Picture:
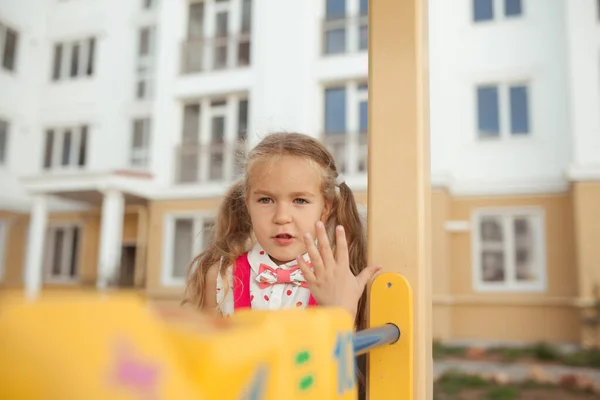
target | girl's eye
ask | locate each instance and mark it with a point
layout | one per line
(301, 201)
(264, 200)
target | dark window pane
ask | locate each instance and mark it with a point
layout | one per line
(49, 148)
(182, 253)
(246, 16)
(483, 10)
(10, 50)
(335, 41)
(191, 123)
(242, 119)
(91, 49)
(196, 20)
(218, 129)
(57, 62)
(59, 236)
(66, 149)
(363, 113)
(335, 110)
(519, 111)
(75, 60)
(3, 141)
(74, 253)
(83, 146)
(364, 7)
(512, 7)
(335, 9)
(488, 118)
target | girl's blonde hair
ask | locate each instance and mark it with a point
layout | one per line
(233, 230)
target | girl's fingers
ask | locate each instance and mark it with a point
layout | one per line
(313, 253)
(324, 246)
(309, 276)
(341, 251)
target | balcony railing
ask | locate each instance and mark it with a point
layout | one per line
(214, 162)
(209, 54)
(349, 151)
(345, 35)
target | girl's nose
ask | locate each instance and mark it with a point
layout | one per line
(282, 215)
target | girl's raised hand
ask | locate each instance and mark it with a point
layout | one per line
(331, 282)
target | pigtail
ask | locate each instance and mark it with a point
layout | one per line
(230, 240)
(345, 213)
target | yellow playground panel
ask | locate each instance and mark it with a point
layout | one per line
(92, 346)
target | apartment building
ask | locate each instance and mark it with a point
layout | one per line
(119, 133)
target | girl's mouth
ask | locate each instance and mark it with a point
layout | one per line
(284, 239)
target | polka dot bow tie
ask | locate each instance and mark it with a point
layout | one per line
(268, 276)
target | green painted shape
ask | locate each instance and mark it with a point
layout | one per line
(302, 357)
(306, 382)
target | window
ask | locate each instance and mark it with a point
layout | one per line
(509, 250)
(66, 147)
(218, 36)
(4, 126)
(346, 125)
(148, 4)
(186, 237)
(492, 99)
(73, 60)
(145, 63)
(484, 10)
(63, 245)
(343, 31)
(214, 132)
(9, 40)
(3, 241)
(140, 143)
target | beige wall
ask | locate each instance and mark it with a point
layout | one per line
(461, 312)
(586, 198)
(14, 259)
(14, 250)
(157, 212)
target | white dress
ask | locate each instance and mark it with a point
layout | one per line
(273, 297)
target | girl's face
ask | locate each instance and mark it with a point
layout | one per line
(285, 202)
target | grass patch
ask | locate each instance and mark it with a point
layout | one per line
(542, 352)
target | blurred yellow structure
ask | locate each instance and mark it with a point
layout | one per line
(90, 346)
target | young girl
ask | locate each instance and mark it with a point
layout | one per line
(264, 253)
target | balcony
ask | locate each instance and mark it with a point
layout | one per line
(350, 151)
(210, 163)
(213, 54)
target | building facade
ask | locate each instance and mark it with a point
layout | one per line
(120, 132)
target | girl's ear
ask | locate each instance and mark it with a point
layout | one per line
(326, 210)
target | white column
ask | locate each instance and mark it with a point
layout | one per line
(111, 237)
(35, 246)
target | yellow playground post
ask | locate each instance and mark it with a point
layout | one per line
(399, 191)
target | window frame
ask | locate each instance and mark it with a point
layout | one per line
(62, 278)
(87, 55)
(353, 135)
(198, 217)
(203, 137)
(207, 43)
(75, 149)
(498, 13)
(537, 217)
(351, 23)
(504, 109)
(140, 157)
